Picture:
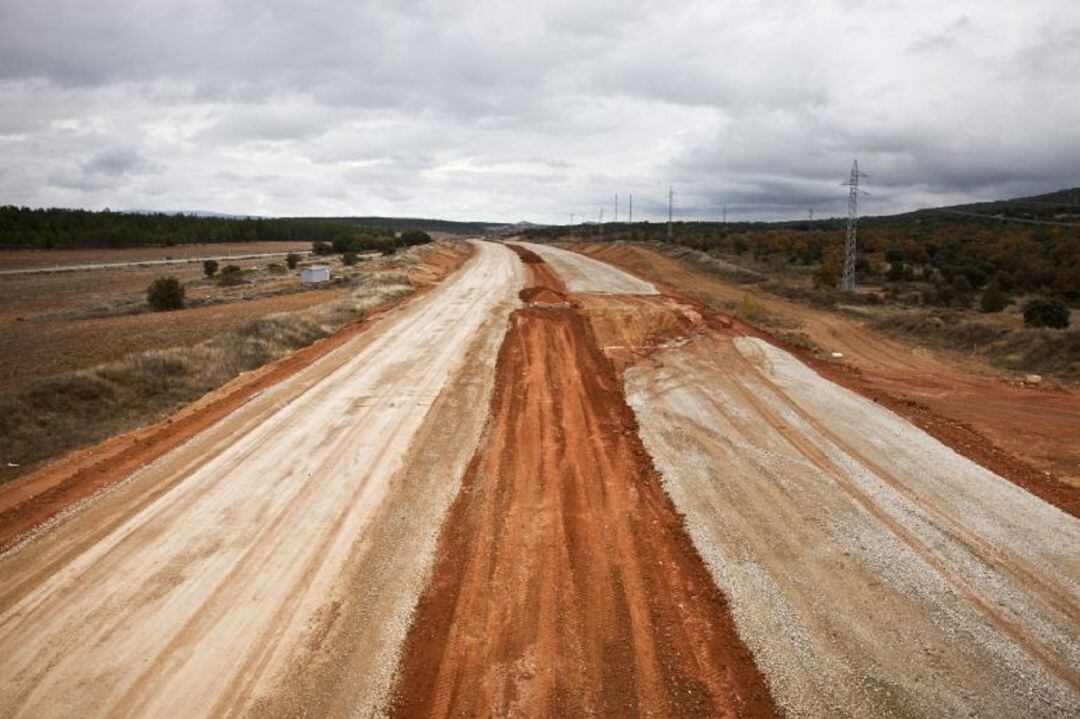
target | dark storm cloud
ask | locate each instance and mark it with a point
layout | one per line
(510, 110)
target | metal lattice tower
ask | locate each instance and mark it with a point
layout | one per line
(847, 282)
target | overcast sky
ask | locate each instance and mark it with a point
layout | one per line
(532, 109)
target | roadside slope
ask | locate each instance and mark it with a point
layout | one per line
(198, 582)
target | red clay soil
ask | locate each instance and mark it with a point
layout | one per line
(978, 417)
(565, 583)
(30, 501)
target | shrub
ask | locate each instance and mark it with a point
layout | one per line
(993, 298)
(292, 260)
(389, 250)
(230, 275)
(349, 258)
(1046, 312)
(414, 237)
(165, 293)
(209, 267)
(322, 248)
(276, 268)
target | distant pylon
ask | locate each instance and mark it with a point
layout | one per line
(847, 282)
(630, 218)
(811, 214)
(616, 207)
(670, 209)
(600, 224)
(725, 213)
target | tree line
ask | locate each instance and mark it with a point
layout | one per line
(27, 228)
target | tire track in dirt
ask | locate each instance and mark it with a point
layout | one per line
(565, 584)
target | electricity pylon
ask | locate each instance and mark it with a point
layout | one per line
(847, 282)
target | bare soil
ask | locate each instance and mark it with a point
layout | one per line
(1027, 434)
(565, 584)
(213, 578)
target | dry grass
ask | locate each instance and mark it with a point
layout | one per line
(1050, 352)
(57, 414)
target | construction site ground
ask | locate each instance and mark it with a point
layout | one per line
(552, 487)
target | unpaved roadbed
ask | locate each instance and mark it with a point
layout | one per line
(201, 595)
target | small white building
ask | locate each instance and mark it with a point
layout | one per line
(315, 273)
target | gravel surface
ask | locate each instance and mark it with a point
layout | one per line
(872, 570)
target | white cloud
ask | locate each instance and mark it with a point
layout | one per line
(505, 110)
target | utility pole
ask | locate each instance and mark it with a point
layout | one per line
(600, 224)
(670, 206)
(630, 220)
(725, 213)
(847, 282)
(811, 214)
(616, 207)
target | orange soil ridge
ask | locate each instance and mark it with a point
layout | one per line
(992, 403)
(565, 583)
(32, 500)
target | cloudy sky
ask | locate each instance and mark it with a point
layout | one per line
(534, 110)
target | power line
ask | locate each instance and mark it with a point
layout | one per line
(847, 282)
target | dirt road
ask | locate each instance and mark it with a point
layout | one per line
(872, 570)
(566, 585)
(1036, 425)
(581, 275)
(228, 576)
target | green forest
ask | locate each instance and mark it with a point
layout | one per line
(25, 228)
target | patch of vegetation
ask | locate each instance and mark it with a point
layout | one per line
(164, 294)
(210, 267)
(292, 260)
(350, 258)
(1046, 312)
(231, 275)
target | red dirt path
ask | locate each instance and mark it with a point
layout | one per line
(565, 583)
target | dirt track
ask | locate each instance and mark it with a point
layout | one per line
(659, 514)
(872, 570)
(1035, 425)
(566, 585)
(200, 582)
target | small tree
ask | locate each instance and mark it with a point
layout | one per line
(349, 258)
(1046, 312)
(230, 275)
(993, 298)
(292, 260)
(322, 248)
(209, 267)
(165, 293)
